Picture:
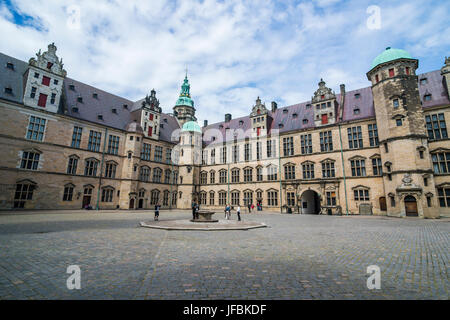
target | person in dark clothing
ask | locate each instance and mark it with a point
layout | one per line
(197, 209)
(157, 206)
(194, 208)
(249, 208)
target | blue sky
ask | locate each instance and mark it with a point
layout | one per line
(235, 50)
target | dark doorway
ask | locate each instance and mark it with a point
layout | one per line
(87, 197)
(141, 203)
(131, 204)
(383, 206)
(411, 207)
(310, 202)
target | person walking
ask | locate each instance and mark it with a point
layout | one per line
(194, 208)
(249, 206)
(157, 206)
(238, 211)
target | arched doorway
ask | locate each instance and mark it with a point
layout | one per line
(411, 207)
(310, 202)
(132, 203)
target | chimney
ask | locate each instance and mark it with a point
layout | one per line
(274, 106)
(342, 102)
(205, 123)
(227, 117)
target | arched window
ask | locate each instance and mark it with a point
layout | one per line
(90, 169)
(157, 173)
(144, 174)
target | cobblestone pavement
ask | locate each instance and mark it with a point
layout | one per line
(296, 257)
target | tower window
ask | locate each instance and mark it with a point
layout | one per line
(377, 78)
(407, 71)
(391, 73)
(33, 92)
(399, 122)
(396, 103)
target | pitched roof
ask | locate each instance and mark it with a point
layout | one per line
(12, 78)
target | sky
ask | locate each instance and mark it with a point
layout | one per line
(234, 50)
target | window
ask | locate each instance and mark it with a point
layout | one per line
(306, 143)
(423, 81)
(36, 75)
(407, 71)
(110, 171)
(157, 173)
(235, 195)
(235, 175)
(331, 198)
(158, 154)
(357, 95)
(377, 78)
(308, 170)
(290, 199)
(248, 152)
(399, 122)
(91, 168)
(326, 141)
(223, 154)
(361, 194)
(259, 174)
(444, 197)
(107, 194)
(49, 65)
(113, 144)
(80, 99)
(248, 198)
(8, 90)
(272, 198)
(248, 175)
(427, 97)
(358, 167)
(71, 86)
(223, 176)
(24, 191)
(55, 82)
(391, 73)
(271, 148)
(328, 169)
(258, 150)
(289, 172)
(272, 173)
(36, 128)
(441, 162)
(30, 160)
(213, 156)
(288, 146)
(10, 65)
(212, 177)
(436, 126)
(167, 174)
(68, 192)
(356, 111)
(235, 153)
(33, 92)
(386, 147)
(392, 201)
(72, 165)
(53, 98)
(154, 198)
(355, 140)
(94, 140)
(373, 135)
(146, 151)
(203, 178)
(377, 167)
(204, 157)
(46, 81)
(175, 177)
(166, 198)
(144, 174)
(222, 198)
(203, 198)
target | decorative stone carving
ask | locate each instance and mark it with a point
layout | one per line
(49, 61)
(258, 109)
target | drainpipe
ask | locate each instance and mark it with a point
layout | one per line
(171, 183)
(343, 171)
(279, 172)
(101, 169)
(228, 182)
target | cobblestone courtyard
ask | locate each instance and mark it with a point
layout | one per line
(296, 257)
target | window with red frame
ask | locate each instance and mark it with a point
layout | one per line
(150, 131)
(42, 100)
(377, 79)
(407, 71)
(391, 73)
(151, 117)
(45, 81)
(324, 119)
(49, 65)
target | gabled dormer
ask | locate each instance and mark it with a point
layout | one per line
(324, 103)
(44, 80)
(259, 119)
(151, 116)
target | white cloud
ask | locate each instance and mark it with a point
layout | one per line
(235, 50)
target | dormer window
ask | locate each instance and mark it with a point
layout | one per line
(161, 126)
(357, 95)
(125, 106)
(213, 138)
(10, 66)
(75, 109)
(49, 65)
(241, 122)
(165, 120)
(322, 96)
(285, 111)
(280, 125)
(72, 87)
(221, 127)
(8, 90)
(95, 95)
(423, 81)
(114, 110)
(356, 111)
(100, 117)
(308, 106)
(294, 115)
(427, 97)
(305, 121)
(80, 99)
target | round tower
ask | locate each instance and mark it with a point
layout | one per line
(402, 133)
(184, 109)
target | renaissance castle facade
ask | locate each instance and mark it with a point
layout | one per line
(381, 150)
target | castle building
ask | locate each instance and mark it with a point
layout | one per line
(381, 150)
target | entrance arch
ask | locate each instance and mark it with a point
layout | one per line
(310, 202)
(411, 207)
(131, 203)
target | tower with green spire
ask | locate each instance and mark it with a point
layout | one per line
(184, 109)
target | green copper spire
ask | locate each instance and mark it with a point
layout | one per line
(185, 95)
